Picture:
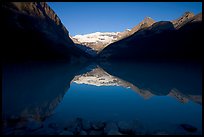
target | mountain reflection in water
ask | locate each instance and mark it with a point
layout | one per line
(160, 96)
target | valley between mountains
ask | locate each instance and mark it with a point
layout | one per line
(143, 80)
(39, 34)
(147, 39)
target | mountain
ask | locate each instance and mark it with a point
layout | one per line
(32, 30)
(192, 24)
(160, 41)
(96, 41)
(182, 20)
(99, 40)
(147, 22)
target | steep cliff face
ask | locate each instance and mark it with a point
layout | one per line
(40, 10)
(192, 24)
(160, 41)
(182, 20)
(32, 30)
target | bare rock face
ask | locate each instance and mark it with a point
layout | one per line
(40, 9)
(192, 24)
(197, 17)
(33, 31)
(182, 20)
(128, 45)
(160, 41)
(99, 40)
(156, 28)
(147, 22)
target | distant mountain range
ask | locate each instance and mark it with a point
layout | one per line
(99, 40)
(177, 39)
(93, 43)
(33, 31)
(39, 34)
(135, 43)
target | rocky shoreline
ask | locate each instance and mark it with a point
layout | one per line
(79, 126)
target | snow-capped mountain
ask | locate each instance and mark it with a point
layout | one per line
(98, 40)
(105, 37)
(94, 43)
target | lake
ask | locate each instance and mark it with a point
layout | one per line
(102, 98)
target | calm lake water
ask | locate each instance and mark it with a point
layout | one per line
(159, 96)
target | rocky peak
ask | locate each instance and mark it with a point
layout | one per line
(198, 17)
(188, 14)
(51, 14)
(147, 22)
(180, 21)
(38, 24)
(36, 9)
(156, 28)
(98, 41)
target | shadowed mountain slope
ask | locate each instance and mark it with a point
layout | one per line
(32, 30)
(160, 41)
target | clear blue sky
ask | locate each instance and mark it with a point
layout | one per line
(88, 17)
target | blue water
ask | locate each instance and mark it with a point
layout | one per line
(119, 103)
(48, 91)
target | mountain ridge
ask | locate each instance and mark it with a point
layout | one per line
(37, 31)
(97, 41)
(146, 27)
(40, 34)
(169, 42)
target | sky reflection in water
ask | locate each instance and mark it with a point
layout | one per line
(91, 96)
(158, 96)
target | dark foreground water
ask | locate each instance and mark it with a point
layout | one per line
(104, 98)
